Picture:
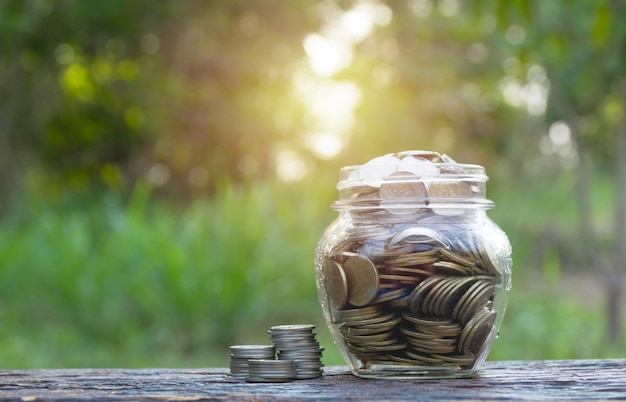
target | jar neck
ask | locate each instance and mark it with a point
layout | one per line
(441, 186)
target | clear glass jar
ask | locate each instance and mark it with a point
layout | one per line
(413, 276)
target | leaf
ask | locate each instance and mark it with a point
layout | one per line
(602, 26)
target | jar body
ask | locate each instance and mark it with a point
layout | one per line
(415, 298)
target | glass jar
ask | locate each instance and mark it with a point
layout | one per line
(413, 276)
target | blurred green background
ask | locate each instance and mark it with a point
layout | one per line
(166, 168)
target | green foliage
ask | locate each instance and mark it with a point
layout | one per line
(150, 285)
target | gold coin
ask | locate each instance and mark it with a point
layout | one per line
(362, 279)
(364, 339)
(381, 348)
(466, 299)
(396, 294)
(415, 272)
(475, 298)
(374, 320)
(335, 284)
(458, 258)
(454, 294)
(477, 332)
(414, 259)
(399, 279)
(417, 296)
(422, 357)
(460, 359)
(478, 301)
(417, 235)
(387, 325)
(356, 313)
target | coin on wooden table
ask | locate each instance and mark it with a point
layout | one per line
(252, 351)
(271, 371)
(362, 279)
(335, 284)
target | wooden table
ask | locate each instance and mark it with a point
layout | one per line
(517, 380)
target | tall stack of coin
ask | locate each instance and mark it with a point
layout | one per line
(298, 343)
(240, 356)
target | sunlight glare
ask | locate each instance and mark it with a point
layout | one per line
(325, 145)
(532, 95)
(289, 165)
(559, 143)
(327, 57)
(330, 103)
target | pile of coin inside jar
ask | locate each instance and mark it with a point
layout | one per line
(295, 354)
(400, 293)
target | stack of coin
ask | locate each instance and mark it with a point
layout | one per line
(240, 356)
(271, 370)
(298, 343)
(369, 332)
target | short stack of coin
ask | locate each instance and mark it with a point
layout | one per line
(241, 355)
(298, 343)
(271, 370)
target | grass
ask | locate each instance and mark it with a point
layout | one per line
(108, 283)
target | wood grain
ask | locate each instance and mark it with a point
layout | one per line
(512, 380)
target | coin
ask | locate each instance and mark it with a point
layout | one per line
(271, 371)
(395, 187)
(417, 296)
(241, 354)
(362, 279)
(305, 328)
(252, 351)
(396, 294)
(298, 343)
(449, 189)
(335, 284)
(477, 331)
(451, 268)
(417, 235)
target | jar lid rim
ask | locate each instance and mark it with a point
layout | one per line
(412, 203)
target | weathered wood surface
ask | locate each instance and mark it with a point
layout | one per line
(514, 380)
